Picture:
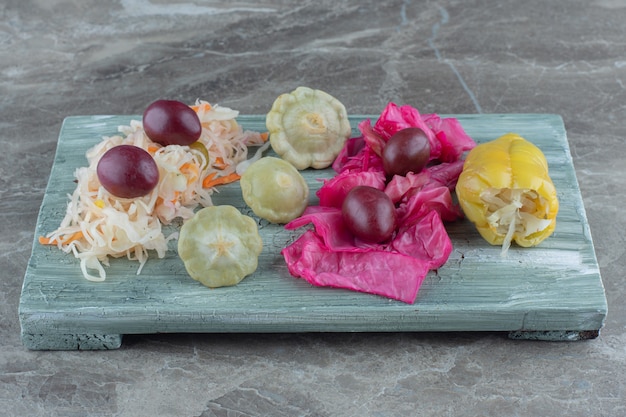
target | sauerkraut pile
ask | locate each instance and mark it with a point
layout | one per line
(98, 225)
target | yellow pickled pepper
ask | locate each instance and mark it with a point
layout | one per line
(505, 190)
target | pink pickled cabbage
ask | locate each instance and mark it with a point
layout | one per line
(334, 190)
(329, 255)
(365, 271)
(114, 227)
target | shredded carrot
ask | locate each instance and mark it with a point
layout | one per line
(152, 149)
(160, 201)
(192, 169)
(219, 163)
(47, 241)
(211, 181)
(208, 179)
(204, 106)
(265, 136)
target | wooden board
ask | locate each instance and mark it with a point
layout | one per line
(553, 291)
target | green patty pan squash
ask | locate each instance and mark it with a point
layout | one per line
(308, 127)
(220, 246)
(274, 189)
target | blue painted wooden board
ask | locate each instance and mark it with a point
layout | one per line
(553, 291)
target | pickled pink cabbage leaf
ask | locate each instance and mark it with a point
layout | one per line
(329, 255)
(365, 271)
(333, 192)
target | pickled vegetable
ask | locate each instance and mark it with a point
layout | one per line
(274, 190)
(219, 246)
(369, 214)
(505, 189)
(328, 254)
(308, 127)
(408, 150)
(171, 122)
(200, 147)
(127, 171)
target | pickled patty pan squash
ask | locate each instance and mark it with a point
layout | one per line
(506, 192)
(219, 246)
(308, 127)
(274, 190)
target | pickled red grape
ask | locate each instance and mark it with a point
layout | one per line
(127, 171)
(369, 214)
(171, 122)
(408, 150)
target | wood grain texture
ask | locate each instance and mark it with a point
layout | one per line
(554, 289)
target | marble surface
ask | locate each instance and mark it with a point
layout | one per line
(67, 57)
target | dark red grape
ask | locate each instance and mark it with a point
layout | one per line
(408, 150)
(170, 122)
(369, 214)
(127, 171)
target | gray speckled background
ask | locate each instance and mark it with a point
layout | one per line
(62, 58)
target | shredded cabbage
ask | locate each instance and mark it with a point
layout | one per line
(514, 211)
(98, 225)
